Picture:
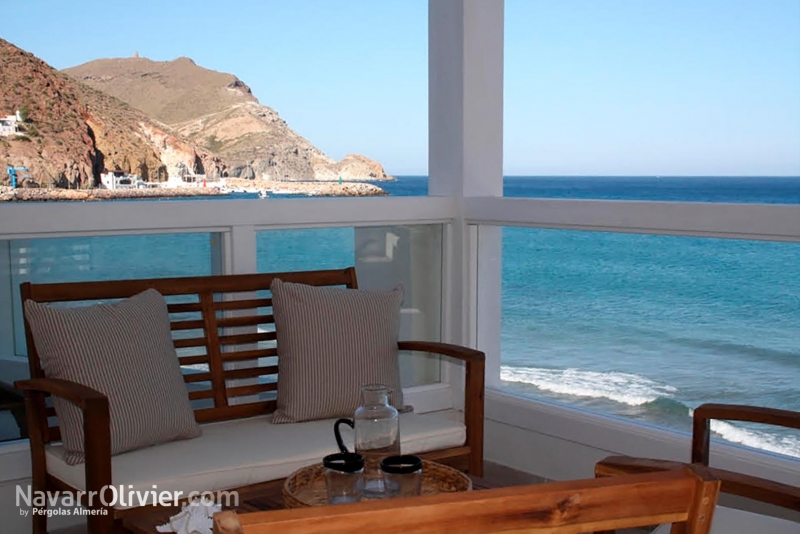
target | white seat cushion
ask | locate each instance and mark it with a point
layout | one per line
(237, 453)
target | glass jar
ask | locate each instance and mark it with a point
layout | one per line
(402, 475)
(343, 472)
(377, 428)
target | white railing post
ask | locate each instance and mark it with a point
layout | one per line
(240, 250)
(465, 91)
(239, 255)
(7, 309)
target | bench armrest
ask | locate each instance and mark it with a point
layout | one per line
(446, 349)
(748, 486)
(78, 394)
(703, 414)
(739, 483)
(96, 426)
(473, 392)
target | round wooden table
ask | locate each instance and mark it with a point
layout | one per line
(306, 486)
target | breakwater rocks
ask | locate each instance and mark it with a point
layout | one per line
(42, 195)
(322, 189)
(309, 188)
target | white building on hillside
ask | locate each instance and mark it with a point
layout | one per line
(9, 125)
(120, 180)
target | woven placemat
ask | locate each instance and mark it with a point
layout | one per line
(306, 487)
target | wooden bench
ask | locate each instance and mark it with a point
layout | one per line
(226, 324)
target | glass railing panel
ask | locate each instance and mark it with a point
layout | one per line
(384, 257)
(648, 327)
(84, 259)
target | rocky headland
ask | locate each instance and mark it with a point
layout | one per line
(219, 113)
(71, 132)
(154, 120)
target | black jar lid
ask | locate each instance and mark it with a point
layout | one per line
(346, 462)
(401, 465)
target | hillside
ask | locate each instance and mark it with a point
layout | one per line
(169, 91)
(73, 132)
(218, 112)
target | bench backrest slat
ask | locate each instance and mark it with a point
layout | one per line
(223, 330)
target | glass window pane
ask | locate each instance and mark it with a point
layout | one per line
(384, 257)
(84, 259)
(649, 327)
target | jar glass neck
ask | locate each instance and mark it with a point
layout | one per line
(372, 394)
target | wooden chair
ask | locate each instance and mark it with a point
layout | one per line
(685, 497)
(752, 487)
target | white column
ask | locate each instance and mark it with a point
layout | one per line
(465, 97)
(465, 84)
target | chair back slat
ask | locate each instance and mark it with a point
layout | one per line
(187, 325)
(244, 355)
(189, 343)
(193, 360)
(243, 304)
(184, 308)
(223, 330)
(245, 339)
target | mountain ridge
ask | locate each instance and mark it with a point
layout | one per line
(218, 112)
(71, 132)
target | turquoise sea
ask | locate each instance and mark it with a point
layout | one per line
(644, 327)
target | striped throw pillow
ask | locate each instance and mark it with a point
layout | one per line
(331, 341)
(125, 351)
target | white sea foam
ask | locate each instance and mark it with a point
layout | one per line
(625, 388)
(788, 445)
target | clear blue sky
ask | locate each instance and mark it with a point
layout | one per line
(659, 87)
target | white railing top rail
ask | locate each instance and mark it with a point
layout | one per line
(30, 220)
(768, 222)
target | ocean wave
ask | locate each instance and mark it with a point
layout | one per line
(781, 444)
(667, 406)
(625, 388)
(635, 390)
(751, 352)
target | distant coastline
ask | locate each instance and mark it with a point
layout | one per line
(7, 194)
(266, 188)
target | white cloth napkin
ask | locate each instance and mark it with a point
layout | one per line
(195, 517)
